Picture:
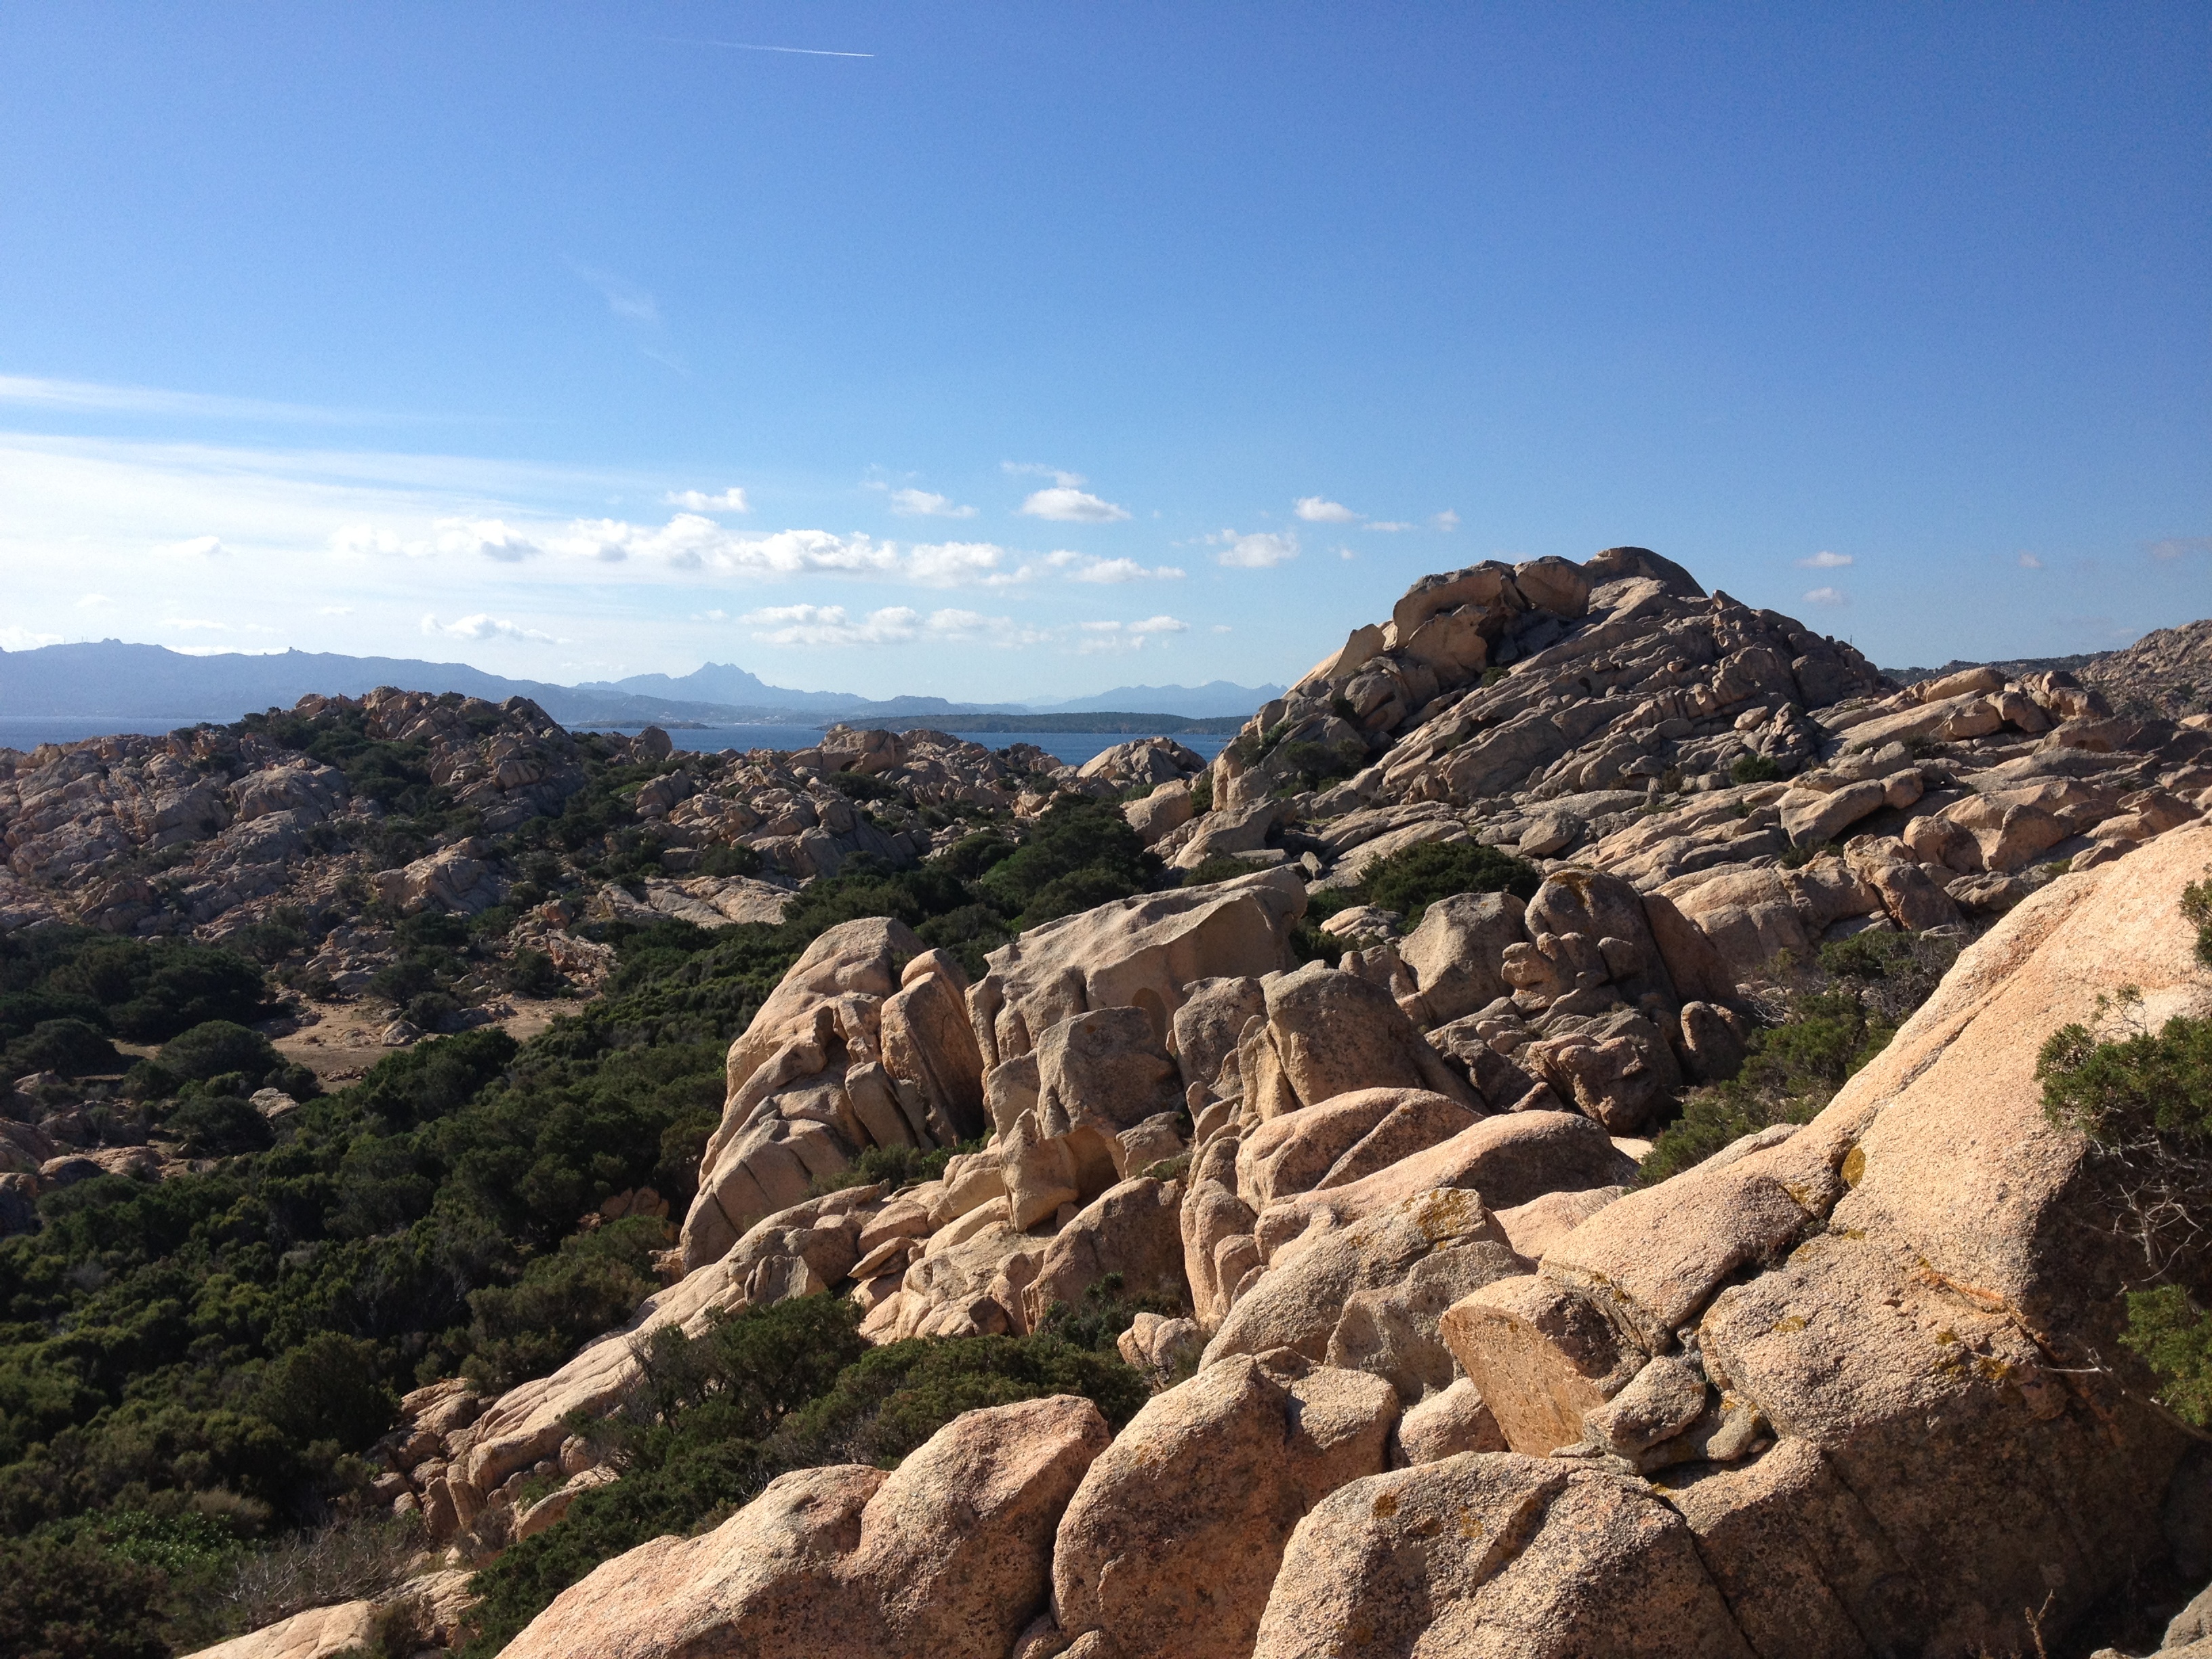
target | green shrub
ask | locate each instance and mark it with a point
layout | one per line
(70, 1047)
(1410, 881)
(2173, 1336)
(1313, 765)
(863, 786)
(1217, 866)
(532, 974)
(727, 861)
(2196, 911)
(218, 1046)
(1840, 1010)
(78, 1601)
(217, 1126)
(1754, 769)
(327, 1388)
(592, 1283)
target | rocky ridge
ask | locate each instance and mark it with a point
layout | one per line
(1692, 1419)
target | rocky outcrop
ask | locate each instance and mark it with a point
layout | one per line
(948, 1557)
(865, 1042)
(1444, 1383)
(1857, 1343)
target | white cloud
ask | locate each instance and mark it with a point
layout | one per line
(927, 504)
(92, 601)
(1826, 560)
(1064, 504)
(1827, 596)
(482, 626)
(230, 650)
(962, 564)
(2171, 548)
(732, 499)
(822, 625)
(2029, 562)
(1392, 525)
(1257, 551)
(24, 639)
(1084, 567)
(491, 537)
(194, 623)
(1316, 509)
(1345, 553)
(334, 610)
(199, 547)
(1032, 469)
(1095, 636)
(1223, 628)
(1446, 521)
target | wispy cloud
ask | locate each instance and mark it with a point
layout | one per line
(828, 625)
(1258, 551)
(927, 504)
(1065, 504)
(1084, 567)
(1827, 596)
(2029, 562)
(2168, 548)
(1038, 470)
(1391, 525)
(625, 297)
(1317, 509)
(1826, 560)
(92, 601)
(1095, 636)
(88, 397)
(482, 626)
(25, 639)
(732, 499)
(1446, 521)
(746, 46)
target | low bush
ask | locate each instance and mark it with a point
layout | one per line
(1410, 881)
(218, 1046)
(1834, 1014)
(71, 1047)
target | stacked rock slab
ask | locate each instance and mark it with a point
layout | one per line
(1855, 1361)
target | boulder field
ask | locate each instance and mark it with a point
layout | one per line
(1448, 1383)
(1833, 1391)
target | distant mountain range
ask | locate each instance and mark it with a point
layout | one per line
(138, 682)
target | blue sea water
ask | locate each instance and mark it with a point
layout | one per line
(28, 730)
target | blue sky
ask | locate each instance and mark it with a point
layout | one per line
(997, 362)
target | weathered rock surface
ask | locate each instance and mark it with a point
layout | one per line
(946, 1558)
(1170, 1544)
(1481, 1555)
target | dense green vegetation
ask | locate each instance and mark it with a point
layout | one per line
(1838, 1012)
(786, 1387)
(190, 1372)
(66, 993)
(2143, 1098)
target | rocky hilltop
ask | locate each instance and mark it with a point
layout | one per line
(1336, 1119)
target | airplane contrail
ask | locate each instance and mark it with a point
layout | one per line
(741, 46)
